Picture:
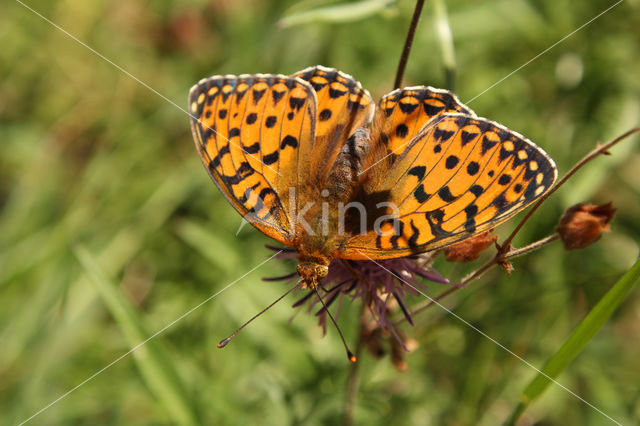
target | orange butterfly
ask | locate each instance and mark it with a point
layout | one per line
(309, 161)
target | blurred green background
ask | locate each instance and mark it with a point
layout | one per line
(110, 229)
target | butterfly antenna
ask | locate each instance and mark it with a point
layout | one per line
(226, 341)
(350, 354)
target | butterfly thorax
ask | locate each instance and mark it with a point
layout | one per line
(318, 244)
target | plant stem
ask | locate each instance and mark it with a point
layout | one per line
(602, 149)
(408, 43)
(353, 381)
(481, 270)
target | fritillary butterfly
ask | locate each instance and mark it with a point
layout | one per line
(308, 160)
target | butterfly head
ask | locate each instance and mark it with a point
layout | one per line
(311, 273)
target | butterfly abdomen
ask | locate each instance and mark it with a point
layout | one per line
(343, 180)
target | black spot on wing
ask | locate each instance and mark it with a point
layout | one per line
(476, 190)
(418, 171)
(244, 171)
(487, 144)
(251, 118)
(335, 93)
(441, 135)
(289, 141)
(252, 149)
(399, 231)
(277, 96)
(470, 224)
(270, 158)
(317, 86)
(402, 130)
(445, 194)
(415, 233)
(420, 195)
(296, 103)
(473, 168)
(451, 162)
(407, 107)
(504, 179)
(257, 95)
(434, 218)
(504, 154)
(271, 121)
(467, 137)
(500, 202)
(431, 109)
(239, 96)
(325, 114)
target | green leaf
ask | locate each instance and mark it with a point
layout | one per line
(578, 339)
(151, 358)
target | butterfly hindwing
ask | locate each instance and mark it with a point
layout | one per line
(460, 175)
(343, 106)
(248, 131)
(403, 113)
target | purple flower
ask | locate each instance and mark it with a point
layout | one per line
(368, 281)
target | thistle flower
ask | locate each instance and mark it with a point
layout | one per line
(371, 283)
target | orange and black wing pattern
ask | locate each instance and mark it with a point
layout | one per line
(404, 112)
(249, 130)
(343, 106)
(458, 176)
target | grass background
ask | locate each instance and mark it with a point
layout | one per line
(110, 228)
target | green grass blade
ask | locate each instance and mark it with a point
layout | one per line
(151, 358)
(209, 245)
(341, 13)
(445, 41)
(579, 338)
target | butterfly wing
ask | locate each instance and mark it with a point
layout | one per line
(249, 130)
(400, 116)
(343, 106)
(404, 112)
(458, 176)
(268, 141)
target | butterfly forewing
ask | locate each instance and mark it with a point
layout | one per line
(459, 176)
(248, 130)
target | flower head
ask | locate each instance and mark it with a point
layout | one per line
(380, 285)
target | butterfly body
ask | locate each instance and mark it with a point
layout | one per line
(308, 161)
(319, 243)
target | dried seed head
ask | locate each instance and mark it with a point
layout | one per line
(582, 224)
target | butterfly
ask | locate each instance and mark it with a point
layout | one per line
(311, 162)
